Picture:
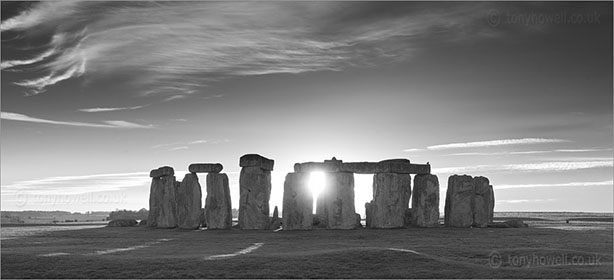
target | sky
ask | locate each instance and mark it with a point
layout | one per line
(96, 94)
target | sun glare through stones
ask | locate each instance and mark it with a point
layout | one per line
(316, 185)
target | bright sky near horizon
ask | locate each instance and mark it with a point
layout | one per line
(96, 94)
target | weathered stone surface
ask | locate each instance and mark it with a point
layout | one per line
(162, 171)
(317, 167)
(360, 167)
(122, 223)
(391, 192)
(155, 200)
(459, 199)
(318, 221)
(481, 201)
(425, 201)
(218, 208)
(189, 202)
(255, 189)
(205, 167)
(168, 203)
(420, 168)
(298, 202)
(338, 201)
(408, 217)
(394, 166)
(255, 160)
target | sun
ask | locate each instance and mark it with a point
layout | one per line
(316, 185)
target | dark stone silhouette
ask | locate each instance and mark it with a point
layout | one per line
(162, 171)
(205, 168)
(481, 202)
(459, 200)
(189, 202)
(339, 210)
(391, 193)
(255, 189)
(297, 203)
(218, 208)
(425, 201)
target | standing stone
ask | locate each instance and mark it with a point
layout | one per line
(218, 208)
(339, 201)
(168, 203)
(425, 201)
(189, 202)
(391, 192)
(255, 189)
(275, 220)
(481, 201)
(459, 200)
(155, 201)
(368, 215)
(298, 202)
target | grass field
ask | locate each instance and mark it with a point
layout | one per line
(139, 252)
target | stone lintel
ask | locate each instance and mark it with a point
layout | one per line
(400, 166)
(255, 160)
(162, 171)
(205, 167)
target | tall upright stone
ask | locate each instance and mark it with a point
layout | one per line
(391, 193)
(218, 208)
(459, 201)
(155, 201)
(339, 211)
(425, 201)
(255, 189)
(491, 205)
(189, 202)
(482, 202)
(168, 203)
(298, 202)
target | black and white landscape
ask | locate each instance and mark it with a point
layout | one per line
(383, 97)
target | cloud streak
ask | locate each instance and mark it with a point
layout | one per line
(494, 143)
(190, 44)
(107, 109)
(78, 184)
(107, 124)
(555, 166)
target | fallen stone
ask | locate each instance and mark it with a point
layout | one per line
(481, 202)
(205, 167)
(122, 223)
(391, 192)
(162, 171)
(189, 202)
(459, 199)
(297, 202)
(255, 160)
(255, 190)
(339, 201)
(168, 203)
(425, 201)
(218, 208)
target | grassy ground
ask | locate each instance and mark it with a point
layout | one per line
(364, 253)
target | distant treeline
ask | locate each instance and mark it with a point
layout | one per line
(128, 214)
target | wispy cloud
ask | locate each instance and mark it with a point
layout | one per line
(505, 201)
(528, 167)
(552, 185)
(414, 150)
(190, 44)
(492, 143)
(106, 124)
(79, 184)
(186, 145)
(111, 109)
